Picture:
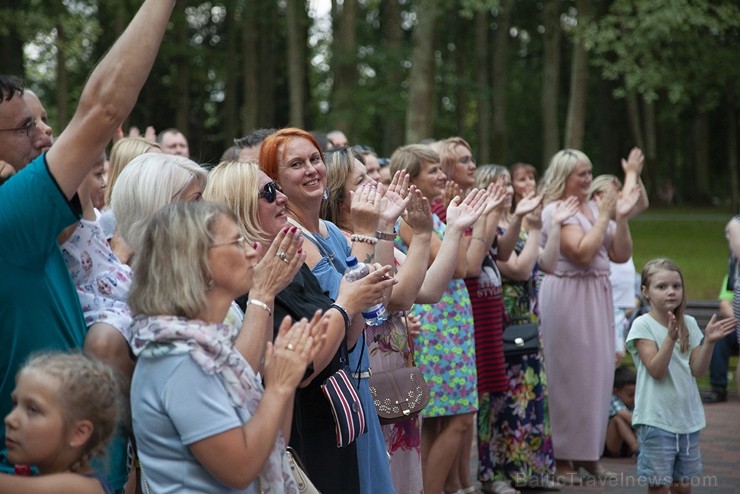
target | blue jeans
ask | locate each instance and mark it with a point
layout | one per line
(720, 364)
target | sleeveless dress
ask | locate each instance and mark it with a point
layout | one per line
(524, 451)
(577, 325)
(445, 351)
(372, 456)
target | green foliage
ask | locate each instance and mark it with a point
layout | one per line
(669, 49)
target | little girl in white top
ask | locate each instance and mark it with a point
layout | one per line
(668, 351)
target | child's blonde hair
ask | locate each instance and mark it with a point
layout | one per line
(663, 264)
(88, 390)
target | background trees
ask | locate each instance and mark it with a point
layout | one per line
(518, 78)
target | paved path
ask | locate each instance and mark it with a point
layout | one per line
(720, 448)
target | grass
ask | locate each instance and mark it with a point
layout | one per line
(693, 238)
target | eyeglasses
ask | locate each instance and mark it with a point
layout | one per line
(269, 191)
(27, 128)
(241, 241)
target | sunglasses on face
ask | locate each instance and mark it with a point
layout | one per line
(269, 191)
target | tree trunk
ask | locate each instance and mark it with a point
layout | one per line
(11, 42)
(231, 76)
(267, 16)
(732, 144)
(576, 119)
(420, 114)
(499, 80)
(550, 80)
(181, 61)
(250, 88)
(482, 88)
(62, 81)
(392, 35)
(344, 61)
(701, 161)
(296, 61)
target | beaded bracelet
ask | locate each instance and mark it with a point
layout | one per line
(344, 314)
(259, 304)
(363, 238)
(386, 236)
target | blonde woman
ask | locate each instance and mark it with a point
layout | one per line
(578, 335)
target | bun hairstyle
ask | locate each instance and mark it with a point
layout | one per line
(88, 390)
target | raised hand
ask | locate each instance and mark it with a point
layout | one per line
(528, 203)
(565, 209)
(672, 326)
(418, 213)
(6, 171)
(463, 214)
(626, 201)
(365, 209)
(634, 162)
(607, 202)
(534, 218)
(287, 358)
(281, 262)
(413, 324)
(452, 190)
(396, 197)
(716, 330)
(496, 196)
(365, 292)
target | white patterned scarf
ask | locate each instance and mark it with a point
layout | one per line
(211, 346)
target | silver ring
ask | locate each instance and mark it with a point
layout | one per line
(283, 256)
(290, 347)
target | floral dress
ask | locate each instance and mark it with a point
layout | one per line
(445, 349)
(524, 452)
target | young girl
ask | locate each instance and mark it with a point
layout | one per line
(65, 409)
(667, 348)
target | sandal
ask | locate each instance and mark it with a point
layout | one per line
(502, 487)
(568, 478)
(601, 475)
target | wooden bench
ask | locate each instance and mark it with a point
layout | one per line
(702, 310)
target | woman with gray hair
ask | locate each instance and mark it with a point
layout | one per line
(588, 241)
(194, 395)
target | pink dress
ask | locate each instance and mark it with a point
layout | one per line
(577, 324)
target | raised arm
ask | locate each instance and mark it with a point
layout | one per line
(632, 167)
(108, 96)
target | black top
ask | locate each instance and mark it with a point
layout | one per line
(313, 436)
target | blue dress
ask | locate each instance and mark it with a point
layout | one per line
(372, 457)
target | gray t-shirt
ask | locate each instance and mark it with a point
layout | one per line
(175, 404)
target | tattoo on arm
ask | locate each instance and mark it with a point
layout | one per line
(370, 258)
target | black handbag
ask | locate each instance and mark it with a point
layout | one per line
(521, 339)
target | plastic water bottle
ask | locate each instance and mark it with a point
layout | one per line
(375, 315)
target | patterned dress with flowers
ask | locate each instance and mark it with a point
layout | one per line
(524, 454)
(445, 349)
(390, 349)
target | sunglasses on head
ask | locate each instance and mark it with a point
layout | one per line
(269, 191)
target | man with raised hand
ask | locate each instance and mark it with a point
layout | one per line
(39, 308)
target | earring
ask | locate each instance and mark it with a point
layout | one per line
(326, 194)
(209, 285)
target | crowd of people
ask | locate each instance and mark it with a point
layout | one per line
(170, 327)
